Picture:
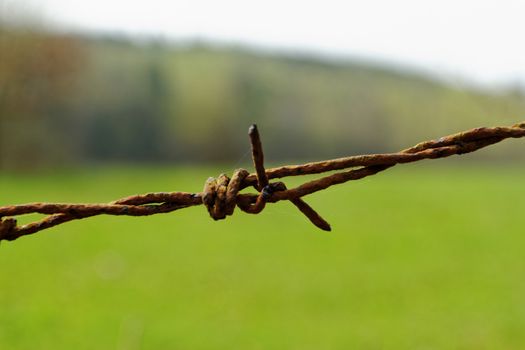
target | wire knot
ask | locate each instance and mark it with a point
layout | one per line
(220, 194)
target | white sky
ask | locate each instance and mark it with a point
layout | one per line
(480, 40)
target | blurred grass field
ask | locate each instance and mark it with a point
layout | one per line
(420, 257)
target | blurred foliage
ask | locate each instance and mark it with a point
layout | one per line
(36, 71)
(90, 99)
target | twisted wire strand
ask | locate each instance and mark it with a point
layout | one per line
(221, 196)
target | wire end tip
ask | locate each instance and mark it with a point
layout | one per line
(322, 224)
(253, 129)
(325, 227)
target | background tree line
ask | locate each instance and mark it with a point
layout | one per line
(72, 100)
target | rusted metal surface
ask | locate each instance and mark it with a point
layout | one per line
(221, 195)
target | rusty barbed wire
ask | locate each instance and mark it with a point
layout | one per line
(221, 195)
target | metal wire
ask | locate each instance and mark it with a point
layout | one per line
(221, 195)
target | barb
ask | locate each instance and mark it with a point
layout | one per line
(221, 195)
(267, 190)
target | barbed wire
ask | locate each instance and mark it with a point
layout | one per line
(221, 195)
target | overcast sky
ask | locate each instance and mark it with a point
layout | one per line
(480, 40)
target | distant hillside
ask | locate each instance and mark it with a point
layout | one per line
(152, 101)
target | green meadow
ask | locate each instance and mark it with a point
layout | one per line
(423, 256)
